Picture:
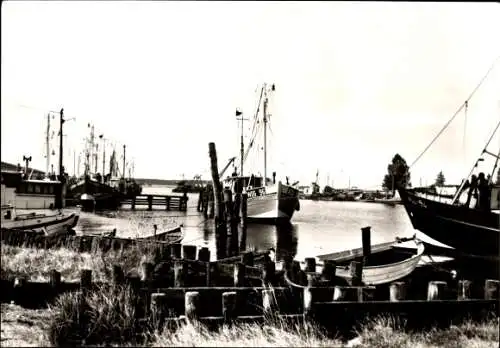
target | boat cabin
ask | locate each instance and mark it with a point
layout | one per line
(24, 193)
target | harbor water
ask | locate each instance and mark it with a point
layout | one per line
(319, 227)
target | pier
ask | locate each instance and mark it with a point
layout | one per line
(168, 202)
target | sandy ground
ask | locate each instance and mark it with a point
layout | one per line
(21, 327)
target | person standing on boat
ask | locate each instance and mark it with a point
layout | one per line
(483, 202)
(472, 190)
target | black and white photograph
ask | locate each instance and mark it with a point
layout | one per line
(250, 174)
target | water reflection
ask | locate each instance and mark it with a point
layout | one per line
(283, 238)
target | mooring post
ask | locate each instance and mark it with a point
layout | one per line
(85, 279)
(356, 270)
(191, 306)
(204, 254)
(180, 274)
(200, 201)
(309, 292)
(239, 274)
(310, 264)
(464, 290)
(397, 292)
(132, 206)
(150, 202)
(220, 229)
(436, 290)
(228, 218)
(268, 272)
(366, 240)
(329, 271)
(491, 289)
(229, 306)
(189, 252)
(269, 304)
(242, 226)
(235, 219)
(55, 279)
(118, 275)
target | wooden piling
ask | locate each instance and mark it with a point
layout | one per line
(397, 292)
(158, 301)
(150, 202)
(269, 304)
(491, 289)
(310, 264)
(180, 274)
(268, 273)
(175, 250)
(55, 279)
(229, 306)
(204, 254)
(436, 290)
(189, 252)
(147, 269)
(239, 274)
(118, 275)
(366, 240)
(85, 279)
(309, 293)
(242, 226)
(215, 181)
(191, 305)
(329, 271)
(133, 203)
(356, 271)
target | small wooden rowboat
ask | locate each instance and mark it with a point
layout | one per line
(386, 263)
(172, 236)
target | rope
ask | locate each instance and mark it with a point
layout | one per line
(456, 113)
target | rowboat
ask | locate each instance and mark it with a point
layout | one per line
(386, 263)
(175, 235)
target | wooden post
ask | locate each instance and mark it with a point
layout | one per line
(55, 279)
(366, 240)
(191, 305)
(269, 304)
(199, 208)
(168, 200)
(247, 258)
(147, 269)
(204, 254)
(309, 293)
(85, 279)
(329, 271)
(158, 308)
(216, 181)
(491, 289)
(269, 273)
(310, 264)
(118, 275)
(175, 250)
(133, 203)
(239, 274)
(356, 270)
(464, 290)
(397, 292)
(436, 290)
(228, 218)
(189, 252)
(150, 202)
(242, 232)
(229, 306)
(180, 274)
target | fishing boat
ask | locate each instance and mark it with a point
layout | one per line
(392, 201)
(386, 263)
(468, 227)
(269, 200)
(59, 223)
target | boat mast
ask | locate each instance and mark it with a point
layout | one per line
(61, 122)
(47, 149)
(123, 173)
(264, 111)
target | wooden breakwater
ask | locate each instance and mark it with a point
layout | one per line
(167, 202)
(192, 289)
(86, 243)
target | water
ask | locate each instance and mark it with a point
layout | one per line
(319, 227)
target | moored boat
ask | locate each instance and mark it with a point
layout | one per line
(48, 224)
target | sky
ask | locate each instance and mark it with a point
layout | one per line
(356, 82)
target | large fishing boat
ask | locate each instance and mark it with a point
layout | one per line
(269, 201)
(472, 226)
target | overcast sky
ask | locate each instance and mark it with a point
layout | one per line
(355, 83)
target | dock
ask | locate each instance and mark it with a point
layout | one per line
(168, 202)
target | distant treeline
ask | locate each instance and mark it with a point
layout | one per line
(168, 182)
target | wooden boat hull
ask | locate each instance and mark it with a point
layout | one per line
(392, 264)
(52, 224)
(272, 204)
(172, 236)
(468, 230)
